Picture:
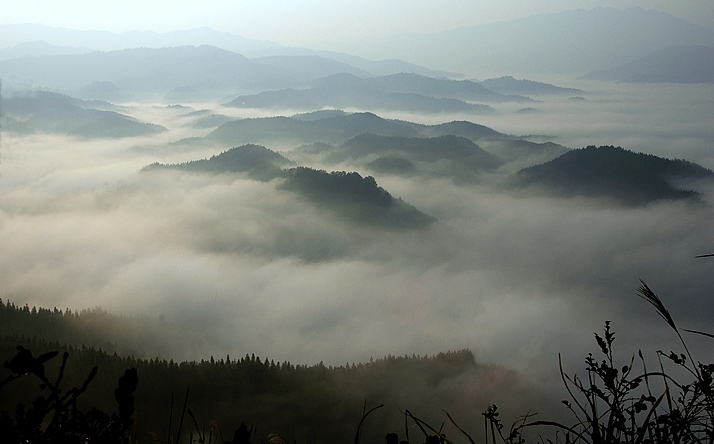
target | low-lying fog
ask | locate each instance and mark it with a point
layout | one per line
(245, 267)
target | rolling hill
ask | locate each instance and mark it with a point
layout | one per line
(612, 172)
(255, 160)
(402, 92)
(298, 131)
(446, 156)
(359, 200)
(332, 128)
(48, 112)
(510, 85)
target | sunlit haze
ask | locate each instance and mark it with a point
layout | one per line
(317, 23)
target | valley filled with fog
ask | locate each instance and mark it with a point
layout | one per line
(197, 194)
(245, 265)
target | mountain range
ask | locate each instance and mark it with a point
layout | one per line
(404, 92)
(577, 41)
(677, 64)
(207, 72)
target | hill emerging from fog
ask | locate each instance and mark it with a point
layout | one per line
(445, 156)
(297, 131)
(48, 112)
(336, 127)
(401, 92)
(357, 199)
(255, 160)
(323, 133)
(510, 85)
(612, 172)
(679, 64)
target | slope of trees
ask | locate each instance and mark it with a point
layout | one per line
(321, 402)
(608, 171)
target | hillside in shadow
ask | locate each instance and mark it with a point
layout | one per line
(357, 199)
(612, 172)
(316, 402)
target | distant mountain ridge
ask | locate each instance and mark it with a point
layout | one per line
(405, 92)
(38, 40)
(612, 172)
(576, 41)
(442, 156)
(12, 35)
(678, 64)
(324, 132)
(144, 70)
(510, 85)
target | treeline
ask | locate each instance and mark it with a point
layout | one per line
(324, 403)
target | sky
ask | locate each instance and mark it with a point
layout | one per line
(313, 22)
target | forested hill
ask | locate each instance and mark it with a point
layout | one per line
(321, 402)
(357, 199)
(613, 172)
(256, 160)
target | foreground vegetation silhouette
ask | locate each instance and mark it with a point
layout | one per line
(54, 416)
(612, 403)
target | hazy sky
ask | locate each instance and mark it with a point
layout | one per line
(305, 22)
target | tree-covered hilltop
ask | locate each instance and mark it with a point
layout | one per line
(357, 198)
(141, 336)
(256, 160)
(318, 401)
(613, 172)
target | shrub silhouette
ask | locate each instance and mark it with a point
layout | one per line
(54, 416)
(616, 404)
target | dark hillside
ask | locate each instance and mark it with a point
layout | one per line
(258, 161)
(319, 402)
(359, 199)
(607, 171)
